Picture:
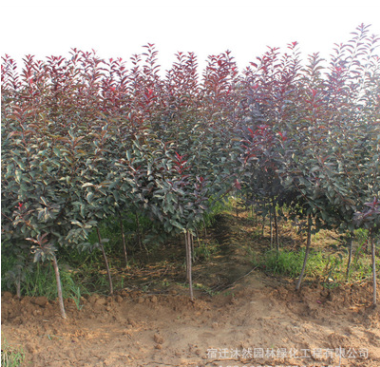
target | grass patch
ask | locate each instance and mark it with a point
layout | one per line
(288, 263)
(11, 356)
(41, 281)
(329, 268)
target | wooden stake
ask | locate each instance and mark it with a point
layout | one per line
(105, 260)
(276, 225)
(18, 284)
(59, 288)
(309, 222)
(263, 227)
(188, 244)
(271, 228)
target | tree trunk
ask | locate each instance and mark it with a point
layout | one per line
(59, 288)
(18, 284)
(105, 260)
(187, 257)
(349, 257)
(309, 222)
(124, 242)
(374, 270)
(271, 228)
(192, 247)
(188, 240)
(263, 227)
(138, 232)
(276, 225)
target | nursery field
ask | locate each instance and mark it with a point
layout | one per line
(240, 304)
(210, 217)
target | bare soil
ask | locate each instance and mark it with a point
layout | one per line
(164, 328)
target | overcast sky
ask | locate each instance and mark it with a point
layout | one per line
(120, 28)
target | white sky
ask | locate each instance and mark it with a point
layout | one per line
(117, 28)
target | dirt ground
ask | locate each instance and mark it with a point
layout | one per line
(257, 320)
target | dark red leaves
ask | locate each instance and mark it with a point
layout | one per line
(237, 184)
(283, 136)
(373, 204)
(179, 157)
(180, 163)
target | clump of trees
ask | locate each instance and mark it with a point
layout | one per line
(85, 138)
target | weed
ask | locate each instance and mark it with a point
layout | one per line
(76, 296)
(145, 288)
(361, 235)
(205, 250)
(120, 284)
(229, 293)
(11, 356)
(217, 207)
(331, 285)
(53, 337)
(101, 282)
(206, 289)
(165, 283)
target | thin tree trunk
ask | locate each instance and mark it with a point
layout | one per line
(271, 228)
(188, 241)
(263, 227)
(187, 257)
(105, 260)
(138, 231)
(276, 225)
(192, 247)
(309, 222)
(59, 288)
(140, 242)
(374, 270)
(349, 257)
(124, 242)
(18, 285)
(190, 271)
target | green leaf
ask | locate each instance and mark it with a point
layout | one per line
(176, 224)
(76, 222)
(18, 175)
(57, 151)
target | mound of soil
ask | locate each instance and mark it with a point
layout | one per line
(135, 329)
